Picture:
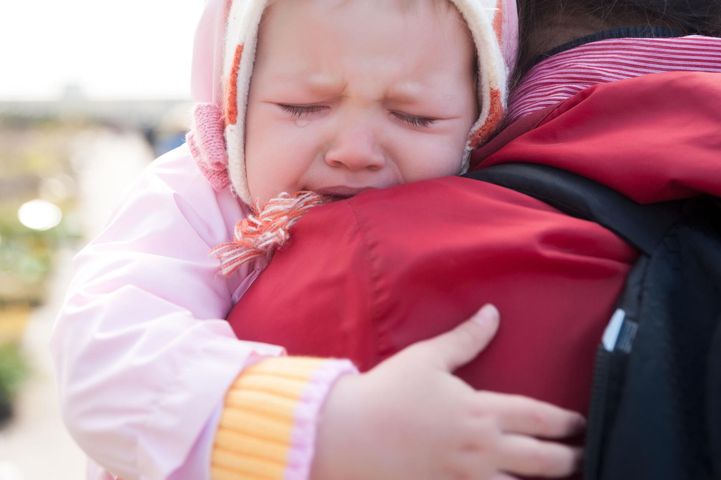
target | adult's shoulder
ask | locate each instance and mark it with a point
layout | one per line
(653, 138)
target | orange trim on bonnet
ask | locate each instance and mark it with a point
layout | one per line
(233, 87)
(498, 21)
(495, 115)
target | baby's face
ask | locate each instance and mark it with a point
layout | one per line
(355, 94)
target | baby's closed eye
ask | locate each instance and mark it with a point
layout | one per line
(414, 120)
(300, 111)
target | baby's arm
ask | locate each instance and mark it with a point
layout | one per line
(408, 418)
(143, 353)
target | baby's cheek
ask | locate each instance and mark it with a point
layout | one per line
(433, 160)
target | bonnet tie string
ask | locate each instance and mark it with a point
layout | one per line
(260, 235)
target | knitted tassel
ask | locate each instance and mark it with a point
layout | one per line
(259, 236)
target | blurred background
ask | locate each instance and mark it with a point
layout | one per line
(90, 92)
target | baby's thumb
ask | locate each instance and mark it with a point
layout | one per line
(462, 344)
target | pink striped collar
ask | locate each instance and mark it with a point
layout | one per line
(561, 76)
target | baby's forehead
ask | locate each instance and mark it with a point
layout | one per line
(404, 6)
(347, 27)
(368, 13)
(426, 41)
(408, 5)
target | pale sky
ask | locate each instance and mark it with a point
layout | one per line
(112, 49)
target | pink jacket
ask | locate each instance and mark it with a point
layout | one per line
(144, 322)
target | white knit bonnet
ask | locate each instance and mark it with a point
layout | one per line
(225, 47)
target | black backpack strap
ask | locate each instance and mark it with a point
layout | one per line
(640, 225)
(678, 325)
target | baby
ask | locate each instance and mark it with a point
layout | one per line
(336, 108)
(327, 96)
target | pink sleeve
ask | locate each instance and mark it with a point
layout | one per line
(143, 354)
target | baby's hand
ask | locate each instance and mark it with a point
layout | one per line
(411, 418)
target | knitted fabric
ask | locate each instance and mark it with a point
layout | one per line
(564, 74)
(267, 429)
(207, 144)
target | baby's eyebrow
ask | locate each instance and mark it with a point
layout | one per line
(405, 93)
(316, 83)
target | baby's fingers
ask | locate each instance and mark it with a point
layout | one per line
(463, 343)
(527, 416)
(528, 456)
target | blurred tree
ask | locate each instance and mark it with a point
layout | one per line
(13, 370)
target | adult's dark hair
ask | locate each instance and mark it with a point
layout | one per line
(545, 24)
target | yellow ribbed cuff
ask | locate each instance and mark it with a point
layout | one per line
(267, 428)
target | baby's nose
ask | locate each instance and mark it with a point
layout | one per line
(356, 149)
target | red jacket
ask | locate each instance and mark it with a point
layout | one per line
(365, 277)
